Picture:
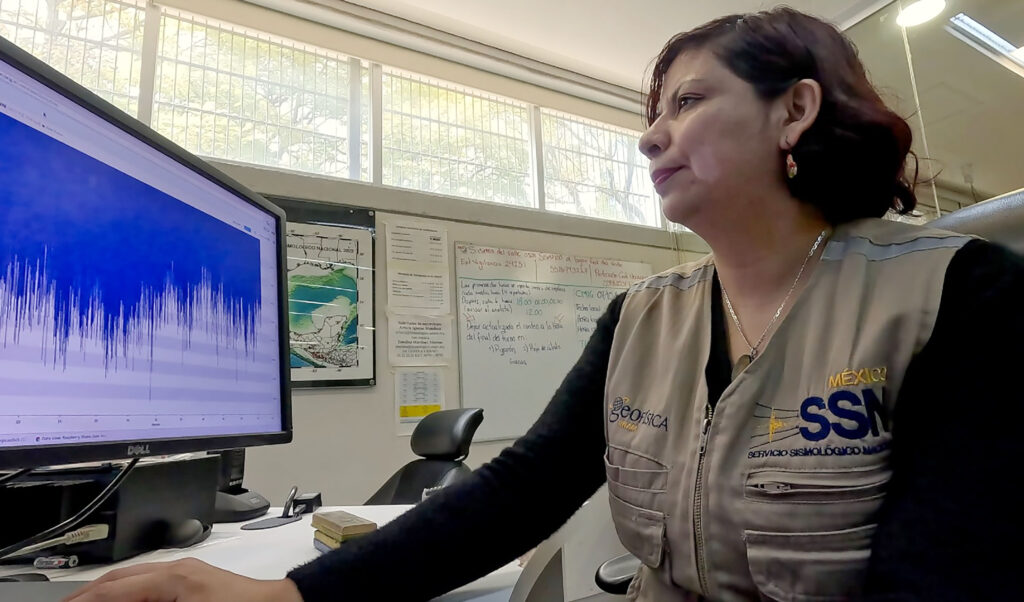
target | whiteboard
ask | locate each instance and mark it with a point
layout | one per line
(524, 317)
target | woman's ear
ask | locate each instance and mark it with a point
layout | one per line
(801, 104)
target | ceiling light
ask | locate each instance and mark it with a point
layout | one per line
(982, 34)
(987, 42)
(919, 12)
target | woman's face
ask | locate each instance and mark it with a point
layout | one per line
(715, 143)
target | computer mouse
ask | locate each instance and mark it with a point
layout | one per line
(186, 533)
(25, 577)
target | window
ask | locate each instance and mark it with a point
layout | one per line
(442, 138)
(235, 94)
(231, 93)
(596, 170)
(96, 43)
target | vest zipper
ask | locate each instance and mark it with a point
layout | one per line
(698, 500)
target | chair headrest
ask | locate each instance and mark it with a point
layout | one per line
(446, 435)
(1000, 220)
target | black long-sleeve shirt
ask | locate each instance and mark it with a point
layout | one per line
(948, 529)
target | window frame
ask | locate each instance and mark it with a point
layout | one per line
(365, 130)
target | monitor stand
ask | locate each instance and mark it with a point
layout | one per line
(160, 504)
(238, 506)
(234, 503)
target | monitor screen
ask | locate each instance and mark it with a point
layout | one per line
(140, 297)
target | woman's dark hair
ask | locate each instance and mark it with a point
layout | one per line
(851, 161)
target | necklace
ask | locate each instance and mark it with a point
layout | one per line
(744, 360)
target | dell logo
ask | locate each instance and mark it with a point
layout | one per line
(138, 450)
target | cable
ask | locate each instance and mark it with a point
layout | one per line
(72, 522)
(14, 475)
(920, 116)
(82, 535)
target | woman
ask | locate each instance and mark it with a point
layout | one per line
(810, 413)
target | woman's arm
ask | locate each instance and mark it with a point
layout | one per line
(505, 508)
(950, 525)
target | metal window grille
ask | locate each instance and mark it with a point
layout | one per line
(596, 170)
(97, 43)
(237, 94)
(233, 93)
(447, 139)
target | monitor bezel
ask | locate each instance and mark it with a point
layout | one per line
(50, 455)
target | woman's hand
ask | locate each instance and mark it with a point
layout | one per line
(187, 580)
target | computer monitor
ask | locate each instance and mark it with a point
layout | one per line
(142, 292)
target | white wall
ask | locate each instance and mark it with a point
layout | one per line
(345, 439)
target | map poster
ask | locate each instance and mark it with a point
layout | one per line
(330, 304)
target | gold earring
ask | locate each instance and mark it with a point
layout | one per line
(790, 166)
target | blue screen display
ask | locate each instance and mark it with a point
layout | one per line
(137, 299)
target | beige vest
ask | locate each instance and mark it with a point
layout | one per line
(774, 495)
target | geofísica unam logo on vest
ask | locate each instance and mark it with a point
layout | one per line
(631, 419)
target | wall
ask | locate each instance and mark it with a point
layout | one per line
(345, 440)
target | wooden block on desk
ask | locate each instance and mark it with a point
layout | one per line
(322, 547)
(326, 539)
(342, 525)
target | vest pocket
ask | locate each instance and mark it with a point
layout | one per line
(805, 567)
(641, 531)
(816, 487)
(637, 478)
(633, 460)
(634, 478)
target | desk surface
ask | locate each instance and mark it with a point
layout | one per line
(271, 553)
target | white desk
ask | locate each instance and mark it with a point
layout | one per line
(271, 553)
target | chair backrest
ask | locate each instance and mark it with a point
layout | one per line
(1000, 220)
(446, 435)
(442, 439)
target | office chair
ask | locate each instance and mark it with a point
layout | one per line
(615, 575)
(1000, 220)
(561, 567)
(442, 440)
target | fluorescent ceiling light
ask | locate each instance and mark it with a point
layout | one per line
(987, 42)
(919, 12)
(982, 34)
